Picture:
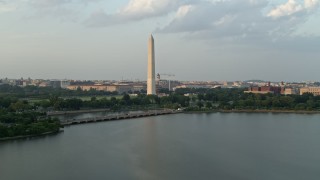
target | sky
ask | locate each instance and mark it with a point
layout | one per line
(205, 40)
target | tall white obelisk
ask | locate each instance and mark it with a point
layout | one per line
(151, 83)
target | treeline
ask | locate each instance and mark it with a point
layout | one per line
(27, 123)
(126, 102)
(227, 99)
(55, 102)
(45, 92)
(278, 102)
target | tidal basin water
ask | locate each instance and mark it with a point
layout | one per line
(222, 146)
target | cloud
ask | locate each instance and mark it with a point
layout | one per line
(184, 10)
(292, 7)
(54, 3)
(310, 4)
(218, 17)
(6, 7)
(238, 21)
(135, 10)
(140, 8)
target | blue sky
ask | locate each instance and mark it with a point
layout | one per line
(275, 40)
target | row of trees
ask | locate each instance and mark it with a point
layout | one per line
(141, 100)
(237, 99)
(55, 102)
(45, 92)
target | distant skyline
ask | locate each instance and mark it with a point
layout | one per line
(276, 40)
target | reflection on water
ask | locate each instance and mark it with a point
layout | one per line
(181, 146)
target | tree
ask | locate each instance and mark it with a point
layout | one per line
(126, 98)
(209, 105)
(3, 131)
(20, 106)
(310, 104)
(200, 97)
(286, 101)
(73, 103)
(93, 98)
(200, 104)
(113, 100)
(276, 102)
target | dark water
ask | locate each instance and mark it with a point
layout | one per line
(218, 146)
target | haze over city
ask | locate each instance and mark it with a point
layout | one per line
(195, 40)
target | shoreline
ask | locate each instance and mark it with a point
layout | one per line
(54, 113)
(186, 112)
(257, 111)
(29, 136)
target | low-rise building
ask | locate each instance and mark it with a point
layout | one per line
(120, 88)
(264, 90)
(139, 87)
(194, 86)
(44, 84)
(59, 84)
(288, 91)
(313, 90)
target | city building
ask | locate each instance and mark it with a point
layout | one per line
(167, 84)
(194, 86)
(120, 88)
(139, 87)
(288, 91)
(313, 90)
(264, 89)
(59, 83)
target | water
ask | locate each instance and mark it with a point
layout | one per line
(218, 146)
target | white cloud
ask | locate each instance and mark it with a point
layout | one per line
(135, 10)
(239, 21)
(310, 4)
(222, 17)
(183, 10)
(145, 7)
(286, 9)
(292, 7)
(140, 9)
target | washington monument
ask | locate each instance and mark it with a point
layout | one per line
(151, 83)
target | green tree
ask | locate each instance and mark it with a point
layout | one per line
(208, 105)
(200, 104)
(19, 106)
(126, 98)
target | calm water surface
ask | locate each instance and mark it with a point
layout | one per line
(218, 146)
